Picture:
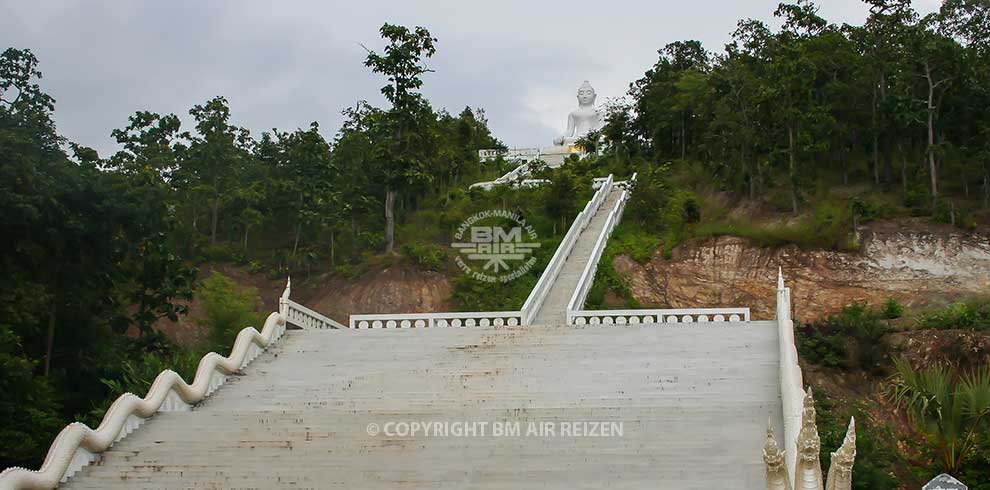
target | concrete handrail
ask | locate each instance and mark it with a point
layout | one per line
(791, 380)
(591, 267)
(539, 293)
(301, 316)
(438, 320)
(648, 315)
(77, 444)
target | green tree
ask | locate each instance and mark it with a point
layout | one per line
(402, 63)
(217, 156)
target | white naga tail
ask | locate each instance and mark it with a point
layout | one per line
(78, 444)
(808, 470)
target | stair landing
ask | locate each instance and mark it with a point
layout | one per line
(692, 401)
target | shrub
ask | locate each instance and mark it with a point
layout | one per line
(891, 310)
(426, 256)
(918, 200)
(221, 252)
(228, 308)
(817, 346)
(371, 241)
(853, 338)
(949, 410)
(875, 453)
(973, 314)
(867, 210)
(633, 240)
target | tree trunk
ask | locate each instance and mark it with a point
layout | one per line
(50, 343)
(792, 176)
(844, 155)
(876, 142)
(888, 164)
(900, 150)
(295, 245)
(332, 248)
(214, 219)
(931, 135)
(683, 134)
(986, 186)
(389, 219)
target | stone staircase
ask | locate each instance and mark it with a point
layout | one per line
(693, 401)
(554, 309)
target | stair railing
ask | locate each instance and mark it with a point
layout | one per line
(540, 291)
(302, 317)
(791, 380)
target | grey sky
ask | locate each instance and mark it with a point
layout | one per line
(284, 64)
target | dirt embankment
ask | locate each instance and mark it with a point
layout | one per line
(393, 289)
(918, 265)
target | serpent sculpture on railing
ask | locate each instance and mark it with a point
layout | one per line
(808, 470)
(78, 444)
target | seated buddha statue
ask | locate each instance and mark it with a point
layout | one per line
(583, 119)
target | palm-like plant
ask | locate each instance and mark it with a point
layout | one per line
(951, 412)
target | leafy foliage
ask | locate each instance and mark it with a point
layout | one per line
(851, 339)
(228, 309)
(973, 314)
(875, 452)
(952, 412)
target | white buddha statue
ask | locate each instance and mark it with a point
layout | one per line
(582, 120)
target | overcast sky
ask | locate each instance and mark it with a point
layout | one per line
(283, 64)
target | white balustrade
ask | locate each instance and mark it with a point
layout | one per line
(301, 316)
(577, 316)
(438, 320)
(510, 154)
(640, 316)
(791, 380)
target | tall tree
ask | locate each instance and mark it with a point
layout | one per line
(217, 155)
(402, 62)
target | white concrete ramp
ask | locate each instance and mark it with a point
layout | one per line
(692, 400)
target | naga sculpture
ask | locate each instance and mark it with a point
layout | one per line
(77, 445)
(808, 470)
(808, 474)
(840, 471)
(773, 457)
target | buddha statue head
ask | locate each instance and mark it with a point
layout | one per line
(586, 95)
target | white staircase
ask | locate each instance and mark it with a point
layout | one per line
(691, 392)
(554, 309)
(692, 400)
